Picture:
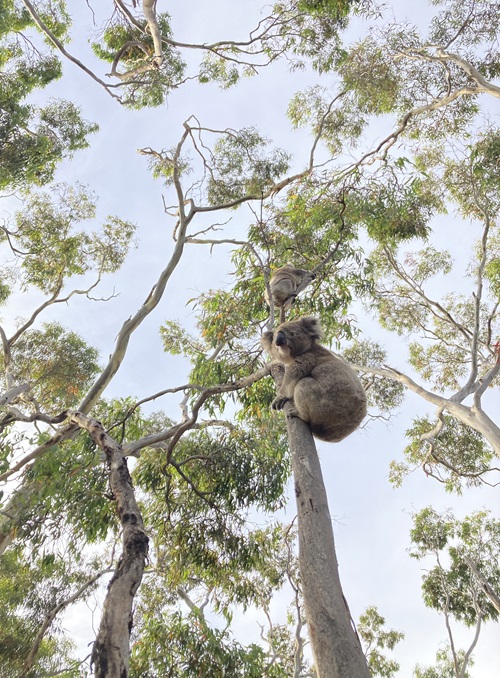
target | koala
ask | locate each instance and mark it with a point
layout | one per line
(286, 282)
(325, 391)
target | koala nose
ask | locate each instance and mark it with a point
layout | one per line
(280, 339)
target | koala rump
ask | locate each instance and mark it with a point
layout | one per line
(324, 390)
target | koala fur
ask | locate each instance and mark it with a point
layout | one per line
(286, 283)
(325, 391)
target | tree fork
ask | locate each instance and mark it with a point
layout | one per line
(336, 648)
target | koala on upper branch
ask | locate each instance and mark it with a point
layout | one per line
(286, 282)
(325, 391)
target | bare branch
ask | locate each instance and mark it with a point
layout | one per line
(12, 393)
(478, 420)
(54, 299)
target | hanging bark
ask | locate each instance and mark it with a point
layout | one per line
(336, 648)
(111, 651)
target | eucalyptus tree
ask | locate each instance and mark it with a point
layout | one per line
(455, 351)
(34, 138)
(455, 586)
(180, 518)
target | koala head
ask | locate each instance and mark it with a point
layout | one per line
(291, 339)
(296, 274)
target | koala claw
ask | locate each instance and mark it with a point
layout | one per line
(279, 403)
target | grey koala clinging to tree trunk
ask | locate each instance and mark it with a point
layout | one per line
(325, 391)
(286, 282)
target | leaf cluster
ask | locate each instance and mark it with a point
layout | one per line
(49, 247)
(240, 167)
(57, 363)
(34, 139)
(65, 494)
(339, 126)
(382, 392)
(473, 177)
(29, 588)
(145, 82)
(216, 593)
(393, 212)
(191, 647)
(458, 456)
(375, 639)
(445, 666)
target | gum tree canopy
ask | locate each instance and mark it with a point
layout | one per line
(148, 491)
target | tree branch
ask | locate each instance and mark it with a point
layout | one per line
(484, 584)
(57, 43)
(476, 419)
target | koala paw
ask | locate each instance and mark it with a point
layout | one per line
(279, 403)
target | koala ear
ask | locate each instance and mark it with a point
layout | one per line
(312, 327)
(267, 341)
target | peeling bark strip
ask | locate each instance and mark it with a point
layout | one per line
(336, 648)
(110, 654)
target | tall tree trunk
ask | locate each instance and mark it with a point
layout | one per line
(336, 648)
(111, 651)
